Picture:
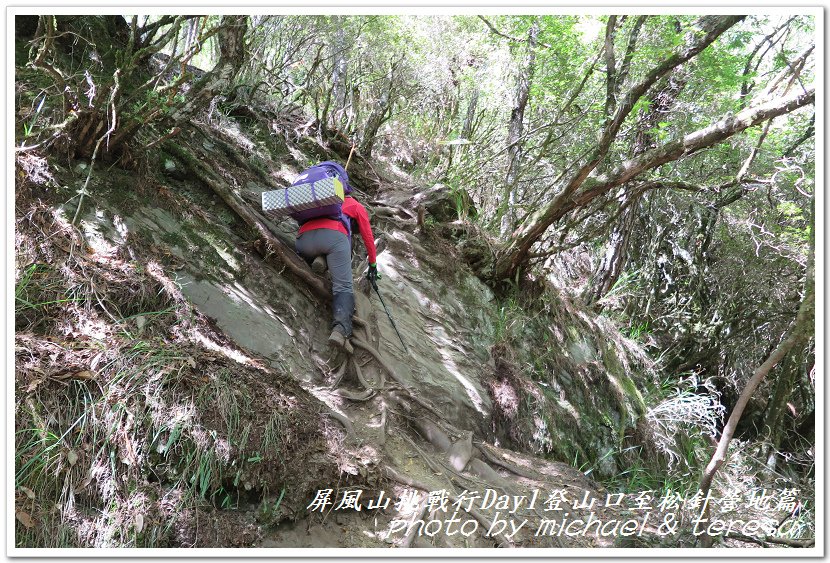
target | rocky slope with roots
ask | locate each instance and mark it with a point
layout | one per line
(173, 386)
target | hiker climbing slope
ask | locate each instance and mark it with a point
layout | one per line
(326, 241)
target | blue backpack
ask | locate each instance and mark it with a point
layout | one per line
(313, 195)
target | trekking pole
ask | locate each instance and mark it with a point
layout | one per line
(391, 320)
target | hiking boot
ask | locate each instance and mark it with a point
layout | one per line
(342, 310)
(319, 265)
(338, 339)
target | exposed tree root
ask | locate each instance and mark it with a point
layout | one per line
(357, 396)
(362, 379)
(410, 536)
(436, 468)
(433, 434)
(477, 468)
(401, 401)
(515, 469)
(765, 542)
(481, 469)
(381, 440)
(338, 376)
(393, 474)
(347, 424)
(360, 343)
(405, 388)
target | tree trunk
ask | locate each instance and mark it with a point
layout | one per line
(466, 130)
(373, 123)
(625, 66)
(515, 254)
(616, 251)
(514, 132)
(469, 119)
(377, 118)
(231, 41)
(774, 417)
(610, 68)
(338, 75)
(192, 32)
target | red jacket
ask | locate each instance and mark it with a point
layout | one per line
(357, 212)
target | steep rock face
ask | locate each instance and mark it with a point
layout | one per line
(560, 384)
(442, 317)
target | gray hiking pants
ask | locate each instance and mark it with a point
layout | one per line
(335, 246)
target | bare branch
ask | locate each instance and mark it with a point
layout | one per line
(793, 70)
(511, 38)
(689, 144)
(714, 27)
(148, 32)
(703, 138)
(629, 51)
(745, 85)
(808, 134)
(47, 23)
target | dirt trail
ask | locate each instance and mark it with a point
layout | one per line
(416, 421)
